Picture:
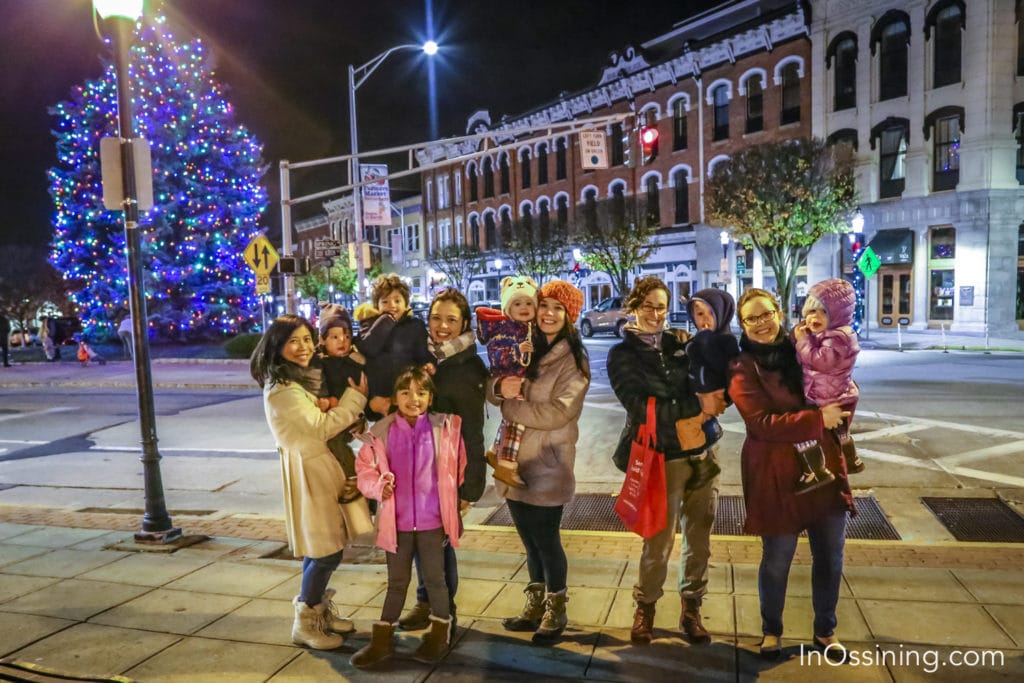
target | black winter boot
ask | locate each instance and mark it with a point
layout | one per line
(812, 465)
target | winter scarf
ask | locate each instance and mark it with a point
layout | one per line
(779, 355)
(449, 348)
(649, 338)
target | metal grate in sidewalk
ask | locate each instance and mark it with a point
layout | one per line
(596, 512)
(978, 519)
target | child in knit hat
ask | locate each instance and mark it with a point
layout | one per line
(341, 366)
(827, 349)
(508, 336)
(709, 353)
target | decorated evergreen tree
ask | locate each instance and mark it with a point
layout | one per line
(207, 194)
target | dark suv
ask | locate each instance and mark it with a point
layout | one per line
(607, 316)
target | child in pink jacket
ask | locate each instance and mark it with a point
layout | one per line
(827, 348)
(413, 463)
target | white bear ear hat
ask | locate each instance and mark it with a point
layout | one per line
(516, 287)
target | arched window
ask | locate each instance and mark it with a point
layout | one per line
(544, 220)
(947, 124)
(790, 94)
(681, 183)
(1018, 134)
(560, 162)
(679, 124)
(474, 192)
(526, 226)
(505, 173)
(843, 136)
(506, 224)
(457, 187)
(948, 20)
(562, 211)
(844, 74)
(617, 206)
(653, 212)
(892, 34)
(1019, 15)
(590, 210)
(524, 168)
(755, 105)
(720, 96)
(474, 230)
(488, 177)
(490, 231)
(894, 134)
(1020, 272)
(542, 163)
(618, 158)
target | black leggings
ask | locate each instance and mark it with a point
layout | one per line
(539, 528)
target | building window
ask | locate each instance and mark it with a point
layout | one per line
(947, 153)
(844, 73)
(474, 231)
(941, 262)
(892, 63)
(755, 105)
(681, 182)
(542, 164)
(444, 237)
(442, 192)
(473, 191)
(893, 161)
(590, 210)
(562, 211)
(949, 22)
(412, 238)
(460, 234)
(560, 163)
(524, 168)
(653, 202)
(616, 135)
(505, 181)
(430, 239)
(457, 186)
(488, 177)
(1019, 134)
(1020, 273)
(525, 223)
(429, 199)
(1020, 38)
(544, 220)
(721, 120)
(617, 206)
(490, 231)
(790, 94)
(679, 125)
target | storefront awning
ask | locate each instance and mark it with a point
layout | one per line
(893, 246)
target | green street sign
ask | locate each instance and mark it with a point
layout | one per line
(868, 262)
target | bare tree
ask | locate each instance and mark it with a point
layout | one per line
(28, 283)
(536, 248)
(458, 262)
(615, 238)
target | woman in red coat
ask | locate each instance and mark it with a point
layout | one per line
(767, 388)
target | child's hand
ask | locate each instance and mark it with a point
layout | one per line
(380, 405)
(713, 402)
(800, 331)
(430, 368)
(324, 404)
(363, 387)
(526, 347)
(387, 491)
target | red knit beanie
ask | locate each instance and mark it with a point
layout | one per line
(566, 294)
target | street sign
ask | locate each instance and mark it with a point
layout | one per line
(593, 149)
(326, 248)
(260, 255)
(262, 284)
(868, 262)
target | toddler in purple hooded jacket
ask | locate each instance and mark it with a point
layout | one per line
(827, 348)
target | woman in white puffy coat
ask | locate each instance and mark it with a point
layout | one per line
(312, 478)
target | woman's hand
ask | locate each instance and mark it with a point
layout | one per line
(380, 405)
(363, 387)
(510, 387)
(832, 415)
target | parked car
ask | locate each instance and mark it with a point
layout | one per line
(420, 309)
(607, 316)
(483, 304)
(20, 337)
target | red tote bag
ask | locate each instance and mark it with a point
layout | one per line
(642, 504)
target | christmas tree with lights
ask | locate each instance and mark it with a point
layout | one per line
(207, 195)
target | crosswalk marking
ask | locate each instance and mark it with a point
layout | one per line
(982, 453)
(37, 413)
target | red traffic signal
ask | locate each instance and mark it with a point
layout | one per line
(649, 143)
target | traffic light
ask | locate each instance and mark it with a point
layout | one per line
(649, 143)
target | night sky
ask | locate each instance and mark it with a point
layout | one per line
(285, 67)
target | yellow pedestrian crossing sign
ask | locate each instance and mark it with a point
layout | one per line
(260, 255)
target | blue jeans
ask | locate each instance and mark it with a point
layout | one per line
(316, 572)
(451, 575)
(827, 538)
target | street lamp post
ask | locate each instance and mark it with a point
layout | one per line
(156, 523)
(723, 237)
(856, 231)
(356, 77)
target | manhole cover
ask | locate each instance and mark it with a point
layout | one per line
(978, 519)
(596, 512)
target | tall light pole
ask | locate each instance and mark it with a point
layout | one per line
(356, 77)
(856, 232)
(156, 523)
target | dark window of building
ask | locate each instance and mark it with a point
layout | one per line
(617, 206)
(892, 63)
(653, 202)
(1018, 131)
(679, 124)
(844, 72)
(681, 182)
(506, 225)
(474, 231)
(893, 161)
(544, 220)
(790, 94)
(590, 210)
(949, 22)
(1020, 272)
(560, 162)
(947, 153)
(524, 168)
(542, 164)
(721, 121)
(846, 136)
(473, 190)
(616, 135)
(562, 209)
(490, 231)
(526, 220)
(488, 177)
(755, 105)
(1020, 37)
(505, 173)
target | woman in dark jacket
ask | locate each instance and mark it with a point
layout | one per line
(459, 384)
(650, 362)
(767, 388)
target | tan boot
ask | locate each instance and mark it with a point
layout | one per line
(335, 622)
(532, 612)
(642, 632)
(435, 641)
(380, 647)
(416, 619)
(309, 629)
(554, 620)
(690, 623)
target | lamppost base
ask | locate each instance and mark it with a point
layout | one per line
(158, 537)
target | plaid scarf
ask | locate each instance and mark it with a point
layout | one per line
(449, 348)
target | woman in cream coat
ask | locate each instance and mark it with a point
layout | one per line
(312, 478)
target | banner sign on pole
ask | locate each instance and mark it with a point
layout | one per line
(376, 194)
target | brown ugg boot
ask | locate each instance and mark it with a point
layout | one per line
(642, 632)
(380, 647)
(435, 641)
(309, 627)
(532, 612)
(416, 619)
(690, 623)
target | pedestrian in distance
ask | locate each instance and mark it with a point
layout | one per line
(312, 479)
(768, 390)
(5, 339)
(124, 331)
(86, 354)
(413, 462)
(48, 337)
(547, 402)
(459, 390)
(650, 362)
